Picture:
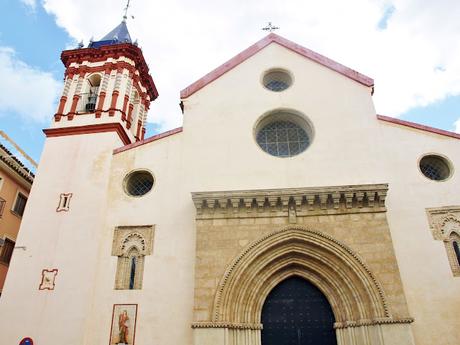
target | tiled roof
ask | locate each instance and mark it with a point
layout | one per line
(118, 35)
(14, 163)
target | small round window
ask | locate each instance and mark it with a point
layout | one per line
(435, 167)
(283, 134)
(277, 80)
(138, 183)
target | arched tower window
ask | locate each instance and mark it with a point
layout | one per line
(90, 97)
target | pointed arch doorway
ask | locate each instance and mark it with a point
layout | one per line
(296, 312)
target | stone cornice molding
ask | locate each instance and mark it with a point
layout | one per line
(383, 321)
(229, 325)
(89, 129)
(337, 325)
(291, 201)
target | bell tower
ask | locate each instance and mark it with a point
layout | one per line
(54, 270)
(107, 87)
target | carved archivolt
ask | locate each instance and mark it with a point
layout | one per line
(128, 237)
(445, 226)
(133, 240)
(354, 293)
(444, 221)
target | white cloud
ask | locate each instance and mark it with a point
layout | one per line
(31, 3)
(457, 126)
(24, 90)
(414, 60)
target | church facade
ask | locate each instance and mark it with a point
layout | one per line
(283, 212)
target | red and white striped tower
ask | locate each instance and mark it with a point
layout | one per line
(107, 88)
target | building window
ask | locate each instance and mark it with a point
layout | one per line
(7, 251)
(131, 245)
(130, 266)
(456, 251)
(132, 274)
(90, 97)
(2, 206)
(435, 167)
(277, 80)
(138, 183)
(445, 226)
(283, 134)
(20, 204)
(453, 252)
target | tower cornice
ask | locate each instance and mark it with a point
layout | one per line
(113, 51)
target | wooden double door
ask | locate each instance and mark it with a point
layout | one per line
(297, 313)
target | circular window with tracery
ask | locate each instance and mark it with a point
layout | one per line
(138, 183)
(277, 80)
(435, 167)
(283, 134)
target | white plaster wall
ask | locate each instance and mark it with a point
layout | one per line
(166, 299)
(67, 241)
(431, 290)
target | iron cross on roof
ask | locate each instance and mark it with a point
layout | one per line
(125, 15)
(270, 27)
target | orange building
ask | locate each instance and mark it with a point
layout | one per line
(15, 183)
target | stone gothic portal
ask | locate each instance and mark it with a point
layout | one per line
(297, 313)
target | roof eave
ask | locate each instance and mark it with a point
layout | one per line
(418, 126)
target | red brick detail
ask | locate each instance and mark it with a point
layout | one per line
(138, 130)
(90, 129)
(148, 140)
(100, 104)
(107, 68)
(115, 51)
(112, 109)
(258, 46)
(125, 105)
(73, 108)
(146, 103)
(418, 126)
(62, 102)
(130, 115)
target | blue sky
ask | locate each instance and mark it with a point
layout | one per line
(31, 43)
